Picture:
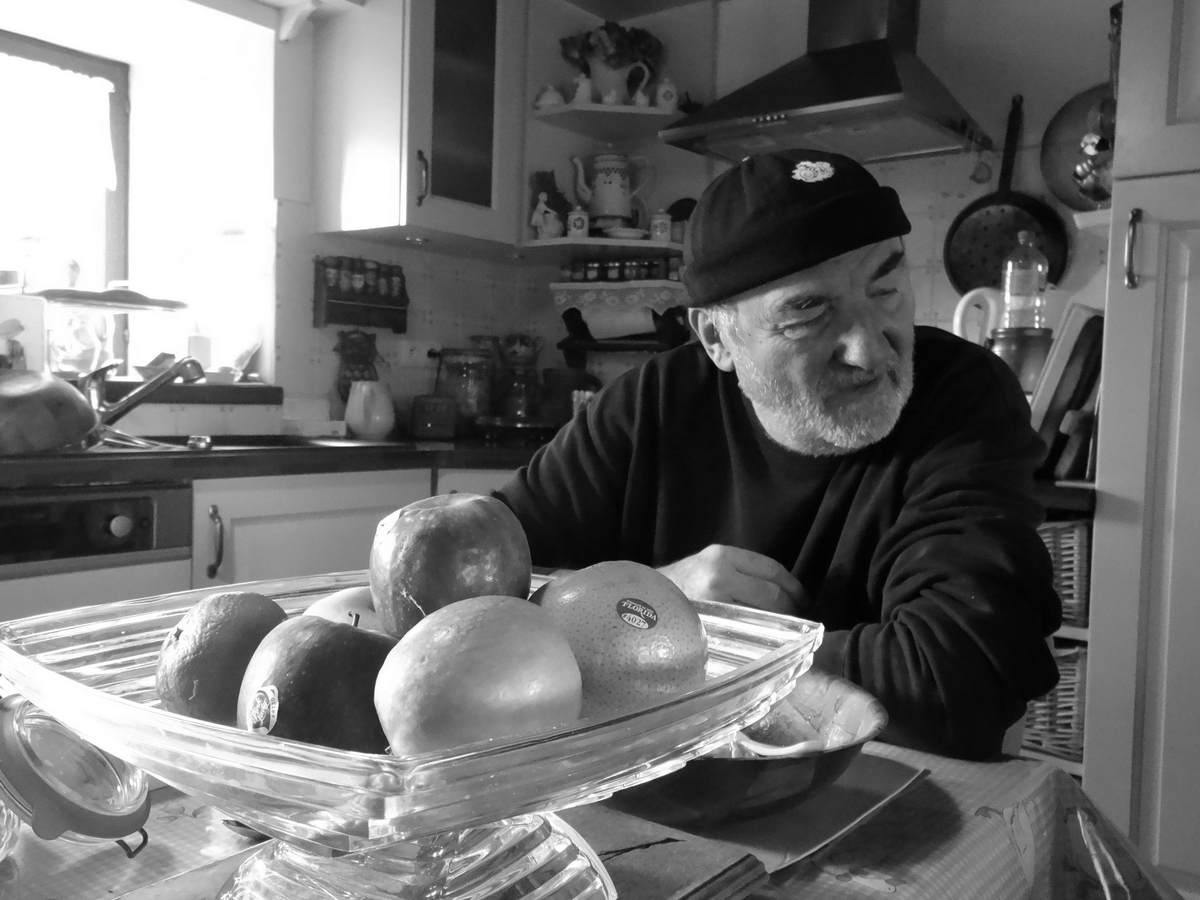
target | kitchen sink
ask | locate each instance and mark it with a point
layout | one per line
(226, 442)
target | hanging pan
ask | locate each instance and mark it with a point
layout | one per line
(985, 232)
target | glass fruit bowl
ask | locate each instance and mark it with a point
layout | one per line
(473, 822)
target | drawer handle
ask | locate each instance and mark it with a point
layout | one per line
(1131, 277)
(424, 177)
(214, 516)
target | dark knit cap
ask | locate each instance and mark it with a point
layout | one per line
(777, 213)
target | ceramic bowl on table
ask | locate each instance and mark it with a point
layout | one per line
(799, 749)
(475, 821)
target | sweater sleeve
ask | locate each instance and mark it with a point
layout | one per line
(569, 496)
(961, 578)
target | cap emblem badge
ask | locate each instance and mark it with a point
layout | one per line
(812, 171)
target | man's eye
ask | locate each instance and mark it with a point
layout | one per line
(800, 323)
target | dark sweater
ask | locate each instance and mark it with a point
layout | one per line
(920, 553)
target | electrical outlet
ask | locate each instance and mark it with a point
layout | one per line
(415, 353)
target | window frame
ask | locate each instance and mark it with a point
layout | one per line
(116, 238)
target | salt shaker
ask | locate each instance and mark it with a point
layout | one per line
(577, 222)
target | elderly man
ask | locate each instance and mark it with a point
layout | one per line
(816, 454)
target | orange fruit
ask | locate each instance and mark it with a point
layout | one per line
(484, 667)
(204, 657)
(636, 636)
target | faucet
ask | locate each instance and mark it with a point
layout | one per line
(92, 385)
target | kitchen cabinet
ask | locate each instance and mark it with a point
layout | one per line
(39, 594)
(1158, 96)
(246, 529)
(1142, 722)
(414, 105)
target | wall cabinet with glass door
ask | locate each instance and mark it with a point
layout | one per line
(416, 105)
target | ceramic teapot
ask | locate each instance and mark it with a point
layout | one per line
(612, 190)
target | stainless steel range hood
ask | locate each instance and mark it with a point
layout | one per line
(860, 91)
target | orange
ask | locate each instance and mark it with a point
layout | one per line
(636, 636)
(204, 657)
(484, 667)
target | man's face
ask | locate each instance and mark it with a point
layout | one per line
(824, 355)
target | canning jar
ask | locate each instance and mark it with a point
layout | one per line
(466, 376)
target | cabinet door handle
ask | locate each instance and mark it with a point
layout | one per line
(1131, 277)
(214, 516)
(424, 160)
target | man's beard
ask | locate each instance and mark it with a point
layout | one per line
(822, 421)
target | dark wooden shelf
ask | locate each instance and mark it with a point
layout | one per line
(1066, 497)
(575, 350)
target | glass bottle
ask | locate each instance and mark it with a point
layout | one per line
(1024, 279)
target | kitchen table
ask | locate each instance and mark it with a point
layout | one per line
(1008, 830)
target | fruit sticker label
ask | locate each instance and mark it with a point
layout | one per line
(264, 709)
(636, 613)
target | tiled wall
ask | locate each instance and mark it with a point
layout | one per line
(453, 298)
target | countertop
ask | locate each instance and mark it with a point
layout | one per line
(242, 458)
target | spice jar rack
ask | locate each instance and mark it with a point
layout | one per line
(354, 291)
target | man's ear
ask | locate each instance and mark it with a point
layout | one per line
(704, 324)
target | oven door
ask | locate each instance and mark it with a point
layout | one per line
(80, 546)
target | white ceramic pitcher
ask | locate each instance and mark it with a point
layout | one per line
(992, 302)
(369, 411)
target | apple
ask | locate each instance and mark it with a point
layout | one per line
(349, 606)
(443, 549)
(313, 680)
(480, 668)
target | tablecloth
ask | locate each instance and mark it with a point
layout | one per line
(1008, 830)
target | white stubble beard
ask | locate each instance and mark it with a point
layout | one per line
(796, 417)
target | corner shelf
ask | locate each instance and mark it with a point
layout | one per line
(656, 294)
(565, 250)
(607, 122)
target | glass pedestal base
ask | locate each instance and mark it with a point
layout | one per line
(524, 858)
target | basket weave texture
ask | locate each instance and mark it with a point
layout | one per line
(1054, 723)
(1069, 543)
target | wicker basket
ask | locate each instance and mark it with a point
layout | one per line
(1068, 544)
(1054, 723)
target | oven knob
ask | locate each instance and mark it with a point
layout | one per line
(119, 526)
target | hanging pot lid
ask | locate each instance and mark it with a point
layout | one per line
(60, 784)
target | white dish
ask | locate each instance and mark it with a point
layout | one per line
(627, 233)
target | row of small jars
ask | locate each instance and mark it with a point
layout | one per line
(660, 268)
(351, 275)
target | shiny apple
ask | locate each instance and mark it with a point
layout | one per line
(442, 549)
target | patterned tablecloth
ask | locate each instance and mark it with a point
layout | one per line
(1010, 830)
(986, 831)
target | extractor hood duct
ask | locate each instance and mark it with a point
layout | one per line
(859, 91)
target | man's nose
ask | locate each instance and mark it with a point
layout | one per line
(863, 342)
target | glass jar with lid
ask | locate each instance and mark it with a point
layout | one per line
(465, 375)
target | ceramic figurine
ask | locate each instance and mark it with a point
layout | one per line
(545, 220)
(641, 98)
(549, 96)
(612, 98)
(583, 90)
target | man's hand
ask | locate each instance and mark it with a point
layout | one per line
(732, 575)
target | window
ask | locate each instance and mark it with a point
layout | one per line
(64, 165)
(192, 162)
